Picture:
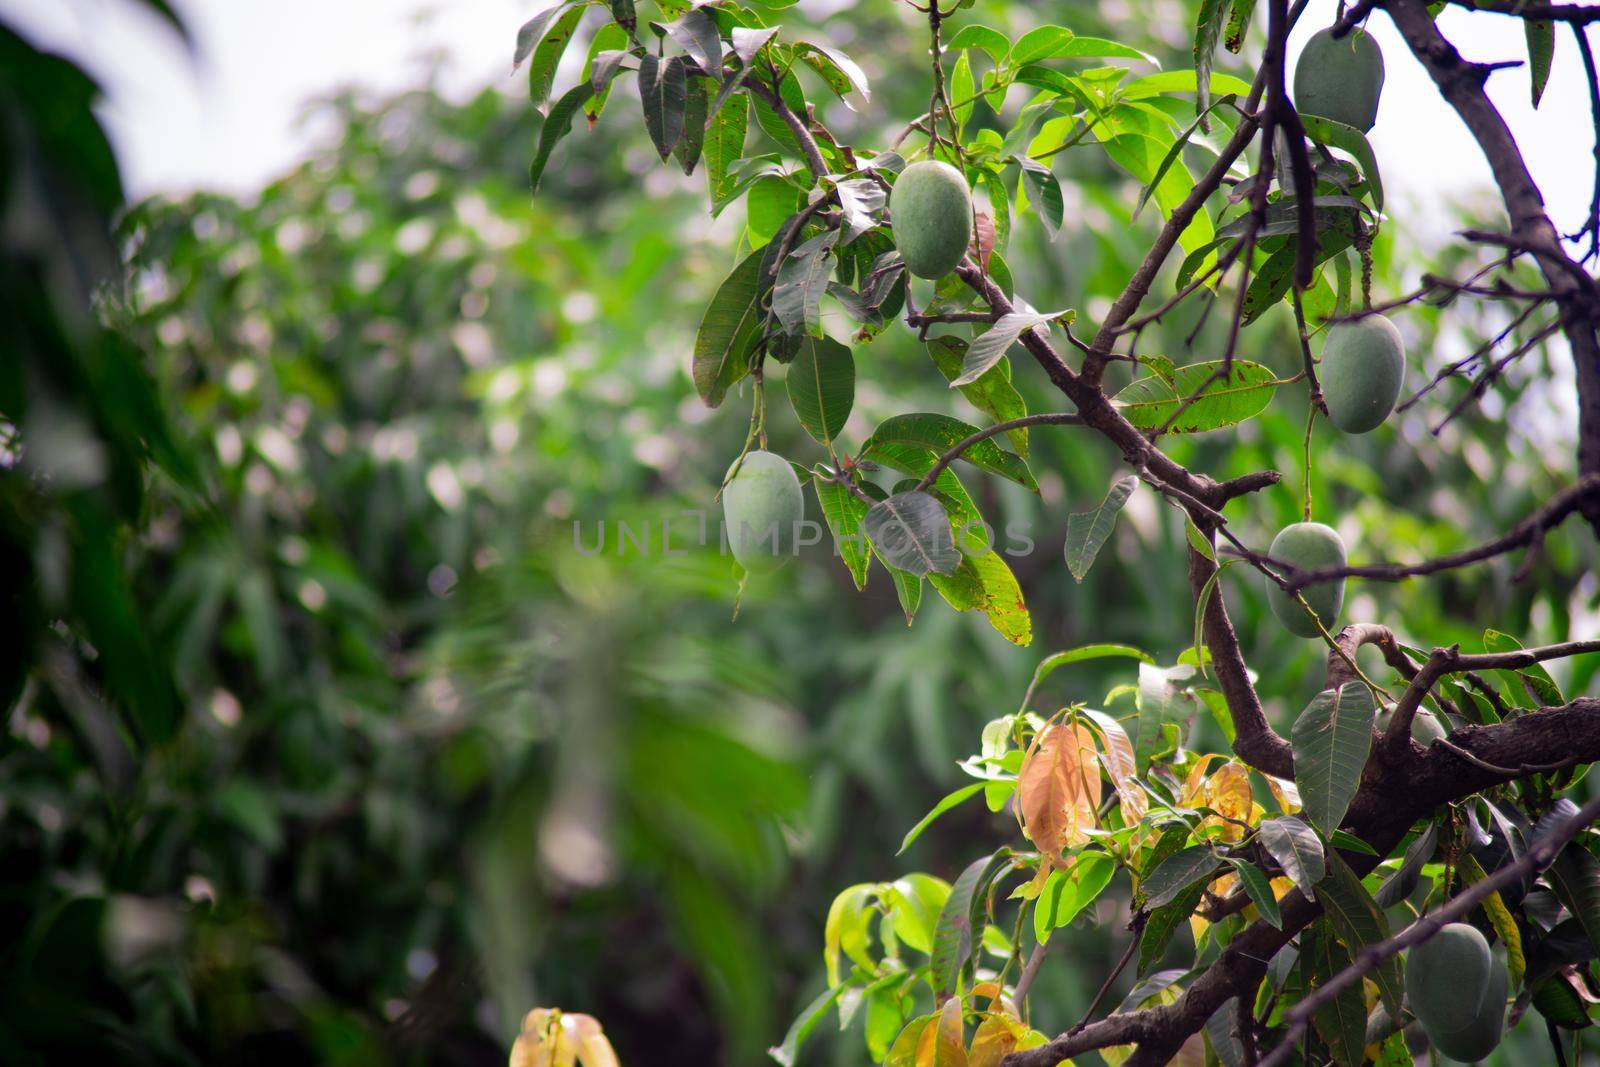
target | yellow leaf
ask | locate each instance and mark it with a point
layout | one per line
(943, 1043)
(1194, 786)
(1220, 889)
(1286, 793)
(1058, 788)
(997, 1037)
(846, 930)
(1228, 794)
(1500, 918)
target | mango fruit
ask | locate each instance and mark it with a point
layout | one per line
(1457, 990)
(762, 506)
(1447, 977)
(931, 215)
(1309, 546)
(1363, 366)
(1340, 79)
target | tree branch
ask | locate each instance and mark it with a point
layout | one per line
(1445, 661)
(1461, 83)
(955, 451)
(1529, 532)
(1577, 14)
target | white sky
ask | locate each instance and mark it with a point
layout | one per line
(227, 117)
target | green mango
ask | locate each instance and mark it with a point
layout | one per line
(1340, 79)
(762, 506)
(1448, 979)
(1309, 546)
(1363, 366)
(931, 215)
(1481, 1036)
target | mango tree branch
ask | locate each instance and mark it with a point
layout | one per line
(1461, 83)
(1450, 660)
(955, 451)
(1527, 533)
(1543, 850)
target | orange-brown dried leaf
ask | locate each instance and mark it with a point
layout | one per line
(1058, 788)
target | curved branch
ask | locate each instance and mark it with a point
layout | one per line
(955, 451)
(1577, 14)
(1445, 661)
(1529, 532)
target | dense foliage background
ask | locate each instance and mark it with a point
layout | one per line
(326, 737)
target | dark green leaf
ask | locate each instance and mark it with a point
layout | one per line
(1575, 877)
(724, 142)
(1238, 23)
(1163, 922)
(729, 332)
(1259, 887)
(1298, 850)
(542, 71)
(934, 434)
(1342, 1022)
(1178, 872)
(1044, 192)
(1331, 740)
(1541, 37)
(556, 127)
(697, 34)
(1360, 922)
(912, 532)
(1087, 530)
(992, 393)
(822, 386)
(689, 146)
(663, 90)
(1207, 30)
(802, 279)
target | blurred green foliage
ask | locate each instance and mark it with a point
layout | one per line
(329, 739)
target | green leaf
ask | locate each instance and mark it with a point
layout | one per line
(802, 279)
(689, 146)
(991, 393)
(1178, 872)
(845, 932)
(697, 34)
(837, 69)
(1207, 30)
(1238, 23)
(1259, 887)
(999, 595)
(1541, 37)
(1575, 877)
(1053, 662)
(1044, 193)
(1352, 140)
(959, 929)
(1331, 739)
(1399, 885)
(960, 92)
(1174, 152)
(844, 512)
(803, 1024)
(1068, 892)
(1298, 850)
(935, 433)
(1039, 43)
(991, 41)
(542, 71)
(991, 345)
(729, 332)
(663, 90)
(1087, 530)
(822, 386)
(607, 58)
(1342, 1022)
(1360, 922)
(1149, 402)
(724, 142)
(907, 587)
(912, 532)
(1163, 922)
(555, 128)
(950, 800)
(1530, 686)
(530, 33)
(914, 903)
